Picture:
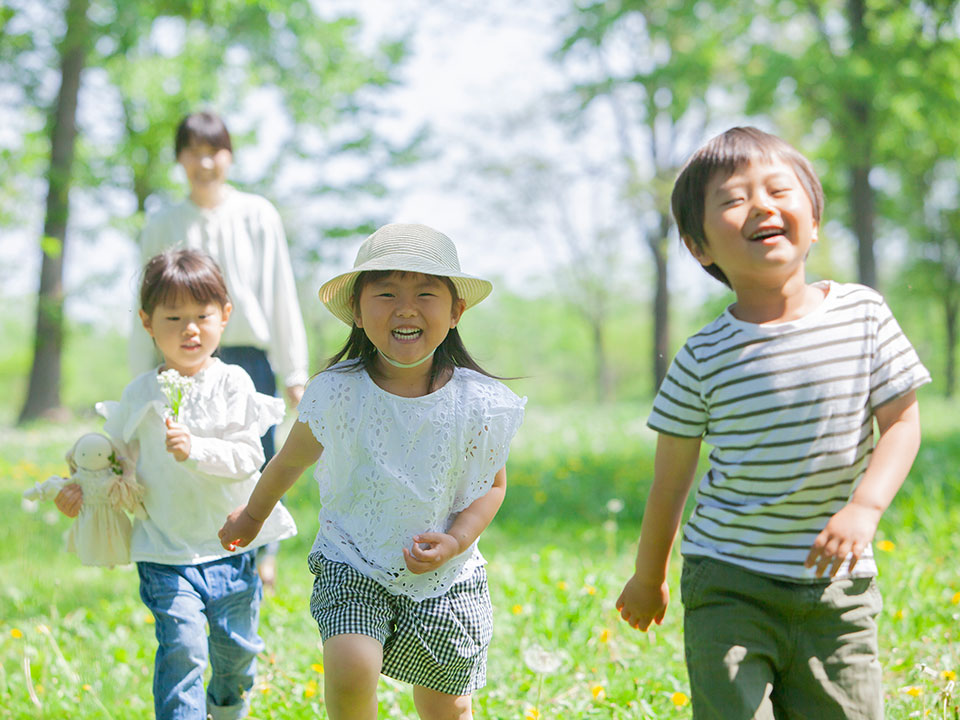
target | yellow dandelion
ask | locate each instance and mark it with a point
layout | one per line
(516, 609)
(39, 688)
(87, 687)
(265, 690)
(599, 692)
(16, 634)
(949, 675)
(149, 619)
(591, 590)
(956, 598)
(310, 689)
(679, 699)
(562, 586)
(900, 614)
(317, 668)
(605, 636)
(886, 546)
(531, 714)
(913, 690)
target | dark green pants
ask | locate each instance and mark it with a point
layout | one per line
(762, 648)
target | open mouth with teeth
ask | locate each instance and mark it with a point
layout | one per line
(766, 234)
(407, 333)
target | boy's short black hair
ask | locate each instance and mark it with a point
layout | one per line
(726, 153)
(202, 128)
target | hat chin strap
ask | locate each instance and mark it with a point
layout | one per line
(396, 364)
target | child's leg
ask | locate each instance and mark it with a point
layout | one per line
(181, 640)
(233, 611)
(351, 671)
(733, 641)
(434, 705)
(835, 674)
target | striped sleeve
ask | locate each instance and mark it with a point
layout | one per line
(678, 408)
(895, 368)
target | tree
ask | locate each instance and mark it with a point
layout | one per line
(150, 63)
(652, 65)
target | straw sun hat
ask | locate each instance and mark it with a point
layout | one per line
(407, 248)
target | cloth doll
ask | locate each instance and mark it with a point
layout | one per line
(101, 533)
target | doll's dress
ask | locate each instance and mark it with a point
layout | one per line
(101, 533)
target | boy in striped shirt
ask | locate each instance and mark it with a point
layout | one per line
(778, 587)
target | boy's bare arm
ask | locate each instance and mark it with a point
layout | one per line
(299, 452)
(852, 528)
(430, 550)
(645, 596)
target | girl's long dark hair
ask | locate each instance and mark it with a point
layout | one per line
(450, 354)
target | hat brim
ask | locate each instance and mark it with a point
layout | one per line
(337, 292)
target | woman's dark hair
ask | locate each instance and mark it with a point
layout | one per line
(450, 354)
(724, 155)
(177, 273)
(202, 128)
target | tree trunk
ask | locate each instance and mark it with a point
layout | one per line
(661, 304)
(950, 313)
(43, 393)
(862, 214)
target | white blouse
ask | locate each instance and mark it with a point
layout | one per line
(187, 502)
(393, 467)
(245, 236)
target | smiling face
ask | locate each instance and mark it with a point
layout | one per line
(187, 332)
(206, 167)
(758, 224)
(407, 315)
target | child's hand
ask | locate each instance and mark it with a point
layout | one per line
(239, 530)
(847, 533)
(178, 440)
(69, 500)
(430, 550)
(641, 602)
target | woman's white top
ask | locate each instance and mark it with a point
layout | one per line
(393, 467)
(245, 236)
(187, 502)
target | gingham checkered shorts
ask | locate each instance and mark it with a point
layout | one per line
(438, 643)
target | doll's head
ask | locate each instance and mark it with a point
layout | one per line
(92, 451)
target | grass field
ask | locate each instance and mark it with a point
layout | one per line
(76, 642)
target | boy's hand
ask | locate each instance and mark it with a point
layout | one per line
(69, 500)
(848, 532)
(239, 530)
(642, 602)
(178, 440)
(430, 550)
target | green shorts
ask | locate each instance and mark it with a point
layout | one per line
(763, 648)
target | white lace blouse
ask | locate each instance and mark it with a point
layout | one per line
(187, 502)
(393, 467)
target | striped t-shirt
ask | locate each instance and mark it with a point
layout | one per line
(788, 411)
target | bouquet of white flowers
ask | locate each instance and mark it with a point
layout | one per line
(176, 387)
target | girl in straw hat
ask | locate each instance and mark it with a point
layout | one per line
(412, 437)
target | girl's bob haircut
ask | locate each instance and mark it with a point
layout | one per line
(177, 274)
(724, 155)
(202, 128)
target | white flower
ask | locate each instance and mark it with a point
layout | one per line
(542, 661)
(615, 505)
(176, 388)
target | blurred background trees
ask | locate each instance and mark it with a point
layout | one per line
(90, 91)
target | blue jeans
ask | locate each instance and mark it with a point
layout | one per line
(254, 361)
(224, 594)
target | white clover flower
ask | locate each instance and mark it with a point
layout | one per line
(176, 388)
(615, 505)
(542, 661)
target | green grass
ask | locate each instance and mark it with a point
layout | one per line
(80, 639)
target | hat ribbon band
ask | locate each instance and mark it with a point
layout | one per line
(396, 364)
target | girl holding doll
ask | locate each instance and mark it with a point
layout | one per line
(412, 438)
(197, 458)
